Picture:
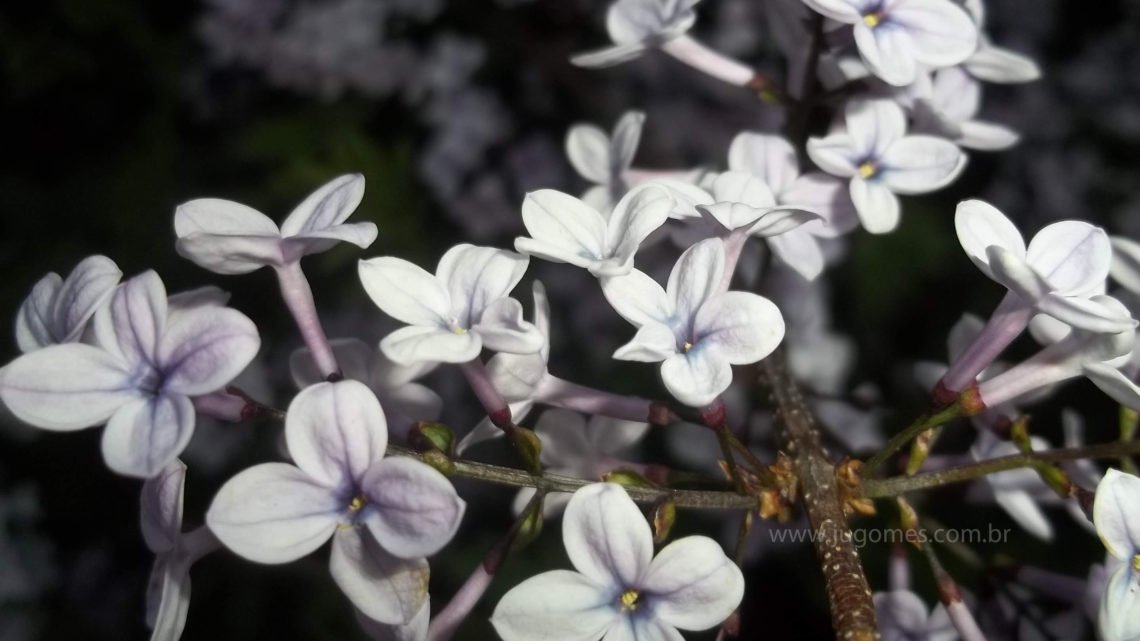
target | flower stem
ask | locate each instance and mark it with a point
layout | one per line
(299, 299)
(920, 425)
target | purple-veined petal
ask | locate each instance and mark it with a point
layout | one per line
(411, 345)
(516, 375)
(85, 289)
(638, 298)
(405, 291)
(191, 299)
(35, 320)
(920, 164)
(1119, 615)
(696, 276)
(1073, 256)
(502, 328)
(475, 277)
(692, 584)
(696, 378)
(588, 148)
(742, 327)
(1116, 514)
(888, 53)
(169, 596)
(639, 213)
(559, 605)
(877, 206)
(326, 207)
(653, 343)
(825, 195)
(294, 248)
(874, 125)
(980, 225)
(800, 251)
(608, 56)
(411, 508)
(231, 253)
(606, 537)
(133, 323)
(994, 64)
(220, 217)
(1010, 270)
(646, 628)
(562, 227)
(769, 158)
(627, 135)
(160, 508)
(352, 355)
(205, 348)
(1112, 382)
(835, 154)
(274, 513)
(147, 434)
(66, 387)
(384, 588)
(335, 431)
(942, 34)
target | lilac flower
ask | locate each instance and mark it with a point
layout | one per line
(1116, 513)
(696, 328)
(383, 514)
(1018, 492)
(946, 105)
(995, 64)
(58, 309)
(620, 591)
(149, 361)
(881, 160)
(455, 313)
(902, 616)
(567, 230)
(1063, 266)
(229, 238)
(603, 160)
(896, 36)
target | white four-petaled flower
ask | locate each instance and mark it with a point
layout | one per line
(58, 309)
(150, 359)
(455, 313)
(881, 160)
(638, 25)
(603, 160)
(895, 37)
(620, 590)
(695, 327)
(1116, 513)
(383, 514)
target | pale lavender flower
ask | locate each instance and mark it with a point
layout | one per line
(902, 616)
(881, 160)
(149, 361)
(620, 591)
(603, 160)
(57, 310)
(1116, 513)
(383, 514)
(947, 104)
(455, 313)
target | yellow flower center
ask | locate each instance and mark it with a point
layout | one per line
(1136, 563)
(872, 20)
(458, 330)
(686, 347)
(629, 600)
(357, 504)
(866, 170)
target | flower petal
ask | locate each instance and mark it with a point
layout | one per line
(475, 277)
(942, 33)
(800, 251)
(835, 154)
(844, 11)
(888, 53)
(638, 298)
(588, 148)
(642, 629)
(35, 320)
(296, 247)
(414, 630)
(994, 64)
(769, 158)
(980, 225)
(826, 196)
(205, 348)
(563, 436)
(919, 164)
(559, 605)
(171, 599)
(1116, 514)
(1112, 382)
(1118, 618)
(627, 135)
(274, 513)
(411, 509)
(877, 207)
(411, 345)
(741, 326)
(608, 56)
(133, 323)
(874, 125)
(384, 588)
(160, 508)
(639, 213)
(614, 436)
(696, 276)
(1023, 508)
(335, 432)
(986, 136)
(1125, 267)
(85, 289)
(653, 343)
(564, 228)
(147, 434)
(326, 207)
(502, 328)
(226, 237)
(1073, 256)
(352, 355)
(606, 537)
(692, 584)
(698, 377)
(66, 387)
(1089, 314)
(405, 291)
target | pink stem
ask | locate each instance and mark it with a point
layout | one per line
(299, 299)
(712, 63)
(479, 379)
(1006, 323)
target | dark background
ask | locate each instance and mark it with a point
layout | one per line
(112, 112)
